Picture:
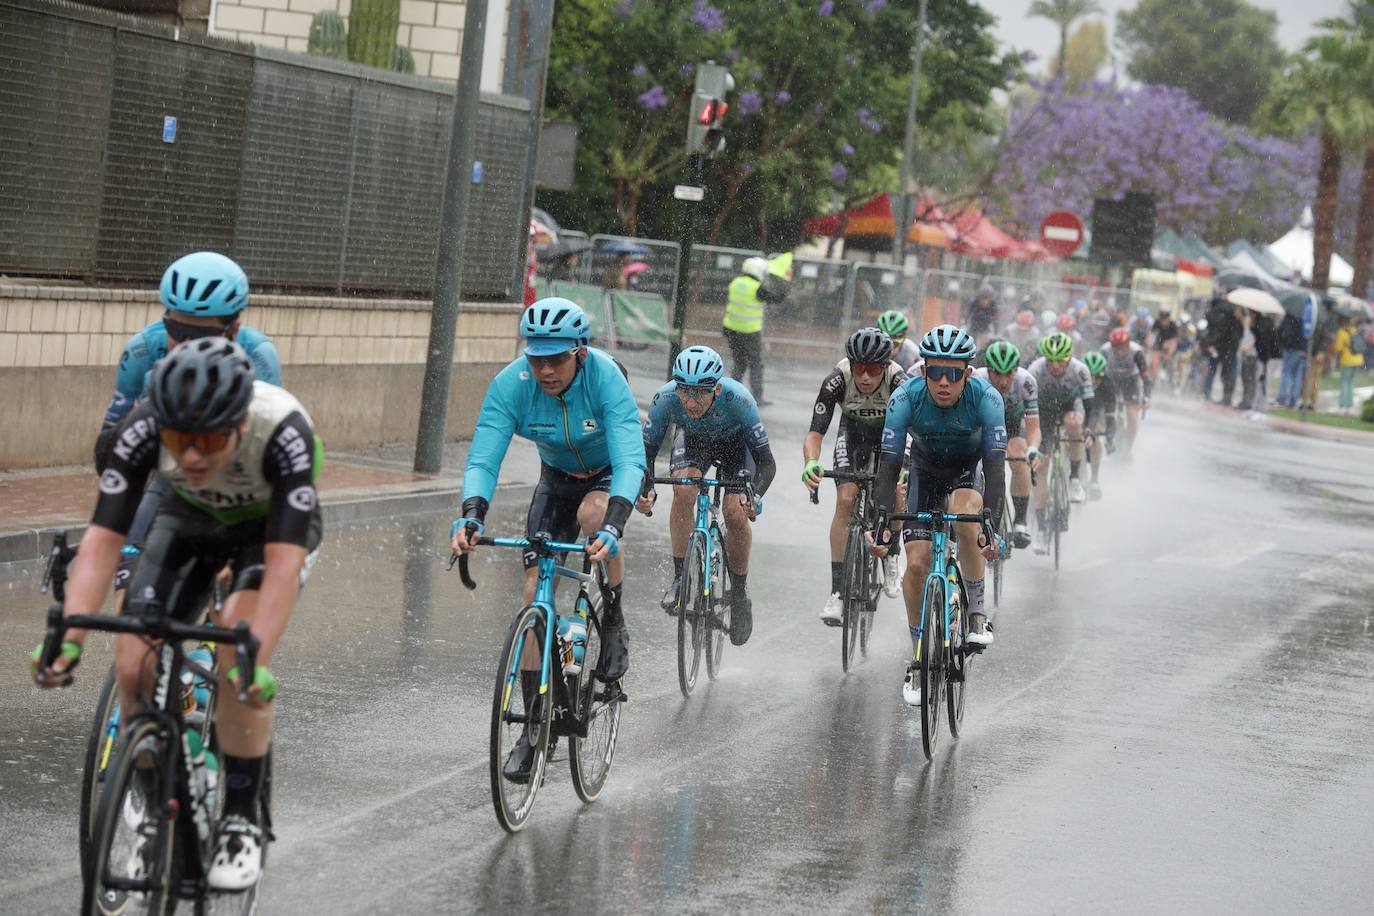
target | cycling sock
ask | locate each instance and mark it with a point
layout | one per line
(915, 641)
(737, 580)
(677, 566)
(614, 616)
(243, 779)
(836, 570)
(1073, 468)
(975, 595)
(1019, 504)
(1096, 466)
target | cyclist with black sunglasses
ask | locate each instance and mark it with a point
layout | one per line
(717, 423)
(958, 432)
(205, 295)
(242, 457)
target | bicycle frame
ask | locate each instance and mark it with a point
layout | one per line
(704, 511)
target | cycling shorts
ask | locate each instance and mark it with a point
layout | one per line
(553, 508)
(1016, 426)
(733, 457)
(1131, 390)
(856, 447)
(928, 491)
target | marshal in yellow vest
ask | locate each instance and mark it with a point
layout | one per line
(744, 308)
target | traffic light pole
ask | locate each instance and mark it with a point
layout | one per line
(695, 169)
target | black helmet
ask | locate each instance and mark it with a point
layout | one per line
(868, 345)
(202, 385)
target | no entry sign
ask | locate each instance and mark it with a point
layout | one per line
(1062, 233)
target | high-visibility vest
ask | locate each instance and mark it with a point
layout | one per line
(744, 308)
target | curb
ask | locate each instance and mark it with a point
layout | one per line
(1276, 424)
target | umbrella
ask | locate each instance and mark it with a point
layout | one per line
(635, 269)
(1231, 278)
(1352, 307)
(1256, 300)
(542, 233)
(543, 217)
(1294, 300)
(563, 248)
(623, 246)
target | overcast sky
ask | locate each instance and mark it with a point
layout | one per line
(1040, 36)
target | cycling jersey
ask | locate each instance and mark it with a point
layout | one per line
(1103, 405)
(1165, 332)
(839, 390)
(592, 424)
(150, 344)
(732, 418)
(1128, 369)
(906, 355)
(271, 475)
(1021, 398)
(1069, 391)
(1023, 339)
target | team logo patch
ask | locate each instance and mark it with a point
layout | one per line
(820, 408)
(524, 376)
(112, 482)
(302, 499)
(589, 425)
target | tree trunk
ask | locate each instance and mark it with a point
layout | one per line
(1063, 50)
(839, 234)
(1324, 214)
(1364, 226)
(732, 183)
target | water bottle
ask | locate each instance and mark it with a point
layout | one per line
(206, 767)
(195, 690)
(572, 639)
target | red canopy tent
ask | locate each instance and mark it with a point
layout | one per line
(875, 218)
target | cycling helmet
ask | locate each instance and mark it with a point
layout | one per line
(1065, 322)
(698, 367)
(755, 267)
(1057, 347)
(1047, 317)
(986, 292)
(946, 341)
(1119, 337)
(554, 325)
(1025, 318)
(1142, 312)
(870, 346)
(1002, 357)
(893, 323)
(201, 386)
(1096, 362)
(206, 284)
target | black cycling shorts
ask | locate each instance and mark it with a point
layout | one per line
(553, 508)
(927, 491)
(1016, 426)
(733, 457)
(184, 551)
(1131, 390)
(856, 447)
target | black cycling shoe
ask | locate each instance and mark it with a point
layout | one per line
(669, 600)
(615, 652)
(741, 617)
(520, 762)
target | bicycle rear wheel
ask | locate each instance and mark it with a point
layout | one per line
(691, 621)
(853, 599)
(718, 622)
(931, 661)
(596, 706)
(959, 661)
(99, 753)
(133, 842)
(518, 710)
(1059, 509)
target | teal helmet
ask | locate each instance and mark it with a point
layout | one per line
(204, 284)
(947, 341)
(893, 323)
(698, 367)
(1002, 357)
(554, 325)
(1096, 363)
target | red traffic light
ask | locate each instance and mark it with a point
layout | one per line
(712, 111)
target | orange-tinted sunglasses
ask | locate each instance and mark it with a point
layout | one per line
(207, 443)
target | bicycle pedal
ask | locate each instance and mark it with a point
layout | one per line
(832, 623)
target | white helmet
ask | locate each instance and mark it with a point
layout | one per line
(755, 267)
(1048, 317)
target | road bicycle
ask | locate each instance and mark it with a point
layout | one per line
(943, 653)
(563, 696)
(1057, 514)
(155, 828)
(861, 580)
(704, 590)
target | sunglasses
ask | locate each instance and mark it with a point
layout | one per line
(554, 361)
(695, 393)
(207, 443)
(945, 373)
(866, 368)
(180, 331)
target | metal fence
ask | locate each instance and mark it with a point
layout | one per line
(123, 146)
(710, 268)
(606, 263)
(944, 294)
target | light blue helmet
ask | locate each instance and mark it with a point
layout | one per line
(554, 325)
(947, 341)
(205, 284)
(698, 367)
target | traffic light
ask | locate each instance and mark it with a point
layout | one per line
(707, 114)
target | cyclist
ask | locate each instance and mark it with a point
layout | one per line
(1063, 385)
(980, 315)
(242, 457)
(1127, 367)
(1165, 345)
(204, 294)
(1022, 333)
(1140, 325)
(717, 422)
(1100, 421)
(1018, 390)
(955, 422)
(904, 350)
(858, 388)
(1069, 325)
(574, 402)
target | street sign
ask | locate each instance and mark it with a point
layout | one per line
(1309, 316)
(688, 192)
(1062, 233)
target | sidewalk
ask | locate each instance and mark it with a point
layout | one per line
(1271, 422)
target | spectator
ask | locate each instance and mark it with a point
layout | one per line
(1223, 340)
(1268, 350)
(1350, 346)
(1249, 361)
(980, 315)
(616, 276)
(1322, 346)
(1293, 344)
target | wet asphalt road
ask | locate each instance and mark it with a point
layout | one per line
(1181, 719)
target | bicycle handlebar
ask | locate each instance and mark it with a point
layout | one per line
(542, 546)
(842, 477)
(163, 628)
(701, 483)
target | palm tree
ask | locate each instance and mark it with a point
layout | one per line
(1063, 13)
(1356, 32)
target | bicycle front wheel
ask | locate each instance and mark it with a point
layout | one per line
(853, 600)
(1059, 514)
(873, 575)
(718, 622)
(596, 707)
(518, 711)
(131, 868)
(99, 752)
(931, 664)
(958, 660)
(691, 621)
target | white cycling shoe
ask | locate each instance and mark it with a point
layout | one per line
(237, 865)
(832, 615)
(979, 631)
(892, 579)
(911, 687)
(1076, 494)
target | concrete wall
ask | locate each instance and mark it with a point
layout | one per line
(356, 364)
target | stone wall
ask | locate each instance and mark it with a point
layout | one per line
(356, 364)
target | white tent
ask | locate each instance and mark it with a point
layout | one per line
(1295, 250)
